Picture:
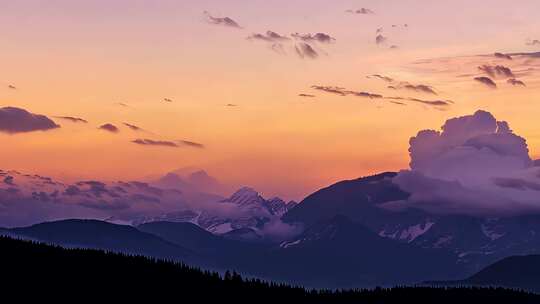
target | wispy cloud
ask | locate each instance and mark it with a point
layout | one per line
(502, 56)
(151, 142)
(269, 36)
(515, 82)
(72, 119)
(306, 95)
(133, 127)
(191, 144)
(305, 50)
(318, 37)
(496, 71)
(486, 81)
(361, 11)
(224, 21)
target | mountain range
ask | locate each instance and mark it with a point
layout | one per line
(339, 236)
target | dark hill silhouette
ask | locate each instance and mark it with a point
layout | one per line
(106, 236)
(521, 272)
(43, 272)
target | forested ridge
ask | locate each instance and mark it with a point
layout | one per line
(44, 271)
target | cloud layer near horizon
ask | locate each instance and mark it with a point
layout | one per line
(475, 165)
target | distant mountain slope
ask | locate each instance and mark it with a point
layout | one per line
(521, 272)
(107, 236)
(49, 273)
(340, 252)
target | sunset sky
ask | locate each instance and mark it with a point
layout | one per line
(183, 75)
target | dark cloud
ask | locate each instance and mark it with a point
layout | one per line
(486, 81)
(15, 120)
(380, 39)
(231, 105)
(362, 11)
(225, 21)
(72, 119)
(533, 42)
(109, 127)
(502, 56)
(191, 144)
(269, 36)
(12, 87)
(366, 94)
(8, 180)
(423, 88)
(515, 82)
(306, 95)
(496, 71)
(318, 37)
(133, 127)
(150, 142)
(305, 50)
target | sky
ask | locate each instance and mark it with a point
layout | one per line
(211, 94)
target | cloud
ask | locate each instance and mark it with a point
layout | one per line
(167, 100)
(396, 100)
(441, 103)
(474, 165)
(72, 119)
(109, 128)
(231, 105)
(515, 82)
(269, 37)
(343, 92)
(192, 144)
(486, 81)
(306, 95)
(384, 78)
(150, 142)
(133, 127)
(318, 37)
(420, 88)
(122, 104)
(16, 120)
(12, 87)
(362, 11)
(380, 39)
(496, 71)
(305, 50)
(533, 42)
(502, 56)
(225, 21)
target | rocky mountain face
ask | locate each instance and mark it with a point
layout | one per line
(476, 241)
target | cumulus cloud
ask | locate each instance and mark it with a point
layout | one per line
(72, 119)
(109, 128)
(486, 81)
(515, 82)
(223, 21)
(16, 120)
(150, 142)
(474, 165)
